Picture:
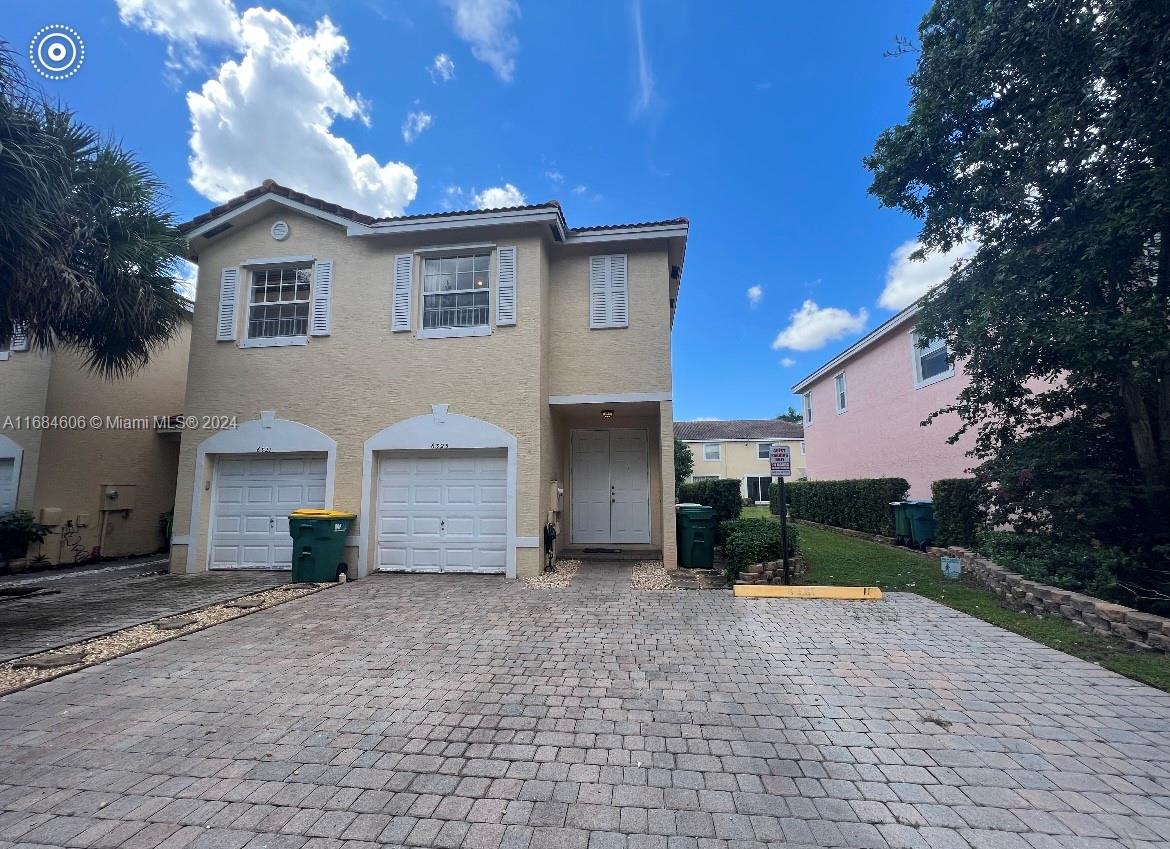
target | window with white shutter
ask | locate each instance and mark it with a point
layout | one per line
(609, 298)
(229, 297)
(321, 316)
(403, 286)
(505, 286)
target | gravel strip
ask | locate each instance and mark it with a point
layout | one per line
(652, 575)
(557, 580)
(22, 672)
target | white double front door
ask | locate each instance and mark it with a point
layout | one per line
(609, 498)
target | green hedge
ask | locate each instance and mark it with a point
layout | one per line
(860, 505)
(956, 510)
(721, 494)
(748, 541)
(1094, 570)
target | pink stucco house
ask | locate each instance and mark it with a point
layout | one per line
(863, 410)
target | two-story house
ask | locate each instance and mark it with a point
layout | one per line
(93, 459)
(863, 410)
(741, 449)
(459, 380)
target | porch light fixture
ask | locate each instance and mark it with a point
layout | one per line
(607, 414)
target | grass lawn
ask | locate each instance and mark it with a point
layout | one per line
(755, 511)
(839, 559)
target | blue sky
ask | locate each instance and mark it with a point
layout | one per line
(751, 120)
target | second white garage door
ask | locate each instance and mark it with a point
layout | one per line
(443, 512)
(253, 497)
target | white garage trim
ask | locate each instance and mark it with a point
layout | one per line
(265, 435)
(426, 433)
(10, 450)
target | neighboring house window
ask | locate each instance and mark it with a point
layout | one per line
(802, 447)
(455, 292)
(711, 451)
(279, 303)
(764, 450)
(759, 488)
(839, 392)
(808, 408)
(932, 361)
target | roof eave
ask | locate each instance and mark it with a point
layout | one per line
(875, 335)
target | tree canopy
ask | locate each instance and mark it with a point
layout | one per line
(1041, 131)
(88, 252)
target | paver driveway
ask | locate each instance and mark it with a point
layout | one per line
(463, 711)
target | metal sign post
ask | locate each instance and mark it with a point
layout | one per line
(780, 461)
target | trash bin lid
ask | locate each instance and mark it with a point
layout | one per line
(696, 510)
(316, 513)
(687, 504)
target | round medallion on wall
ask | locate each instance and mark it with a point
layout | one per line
(280, 230)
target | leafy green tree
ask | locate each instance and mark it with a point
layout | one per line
(793, 415)
(684, 463)
(87, 251)
(1042, 132)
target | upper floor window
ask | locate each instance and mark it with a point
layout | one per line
(802, 447)
(278, 306)
(764, 450)
(808, 408)
(932, 361)
(711, 451)
(839, 392)
(455, 292)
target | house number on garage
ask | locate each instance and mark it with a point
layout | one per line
(440, 445)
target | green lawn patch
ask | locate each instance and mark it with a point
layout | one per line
(755, 511)
(837, 559)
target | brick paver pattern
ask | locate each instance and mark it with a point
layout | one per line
(87, 604)
(470, 712)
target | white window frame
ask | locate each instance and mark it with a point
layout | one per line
(916, 354)
(747, 492)
(453, 253)
(802, 448)
(767, 454)
(840, 396)
(718, 446)
(250, 267)
(808, 408)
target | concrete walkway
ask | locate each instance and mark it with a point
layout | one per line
(80, 603)
(467, 711)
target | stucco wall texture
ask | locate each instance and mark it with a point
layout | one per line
(880, 434)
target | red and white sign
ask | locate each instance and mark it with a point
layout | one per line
(781, 461)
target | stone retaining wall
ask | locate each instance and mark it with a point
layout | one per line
(772, 572)
(1140, 630)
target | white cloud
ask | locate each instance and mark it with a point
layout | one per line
(271, 112)
(644, 94)
(555, 175)
(811, 326)
(755, 294)
(498, 197)
(907, 279)
(187, 276)
(414, 124)
(707, 419)
(486, 26)
(442, 69)
(580, 190)
(787, 362)
(184, 23)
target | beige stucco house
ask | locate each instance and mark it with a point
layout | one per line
(458, 380)
(94, 459)
(740, 448)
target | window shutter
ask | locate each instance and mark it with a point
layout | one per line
(229, 295)
(598, 291)
(505, 286)
(320, 318)
(19, 339)
(403, 285)
(619, 298)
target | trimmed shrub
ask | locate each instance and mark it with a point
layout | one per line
(721, 494)
(1094, 570)
(749, 541)
(860, 505)
(956, 510)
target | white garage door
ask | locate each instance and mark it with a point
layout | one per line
(7, 484)
(253, 497)
(443, 512)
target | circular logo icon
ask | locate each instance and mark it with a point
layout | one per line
(56, 51)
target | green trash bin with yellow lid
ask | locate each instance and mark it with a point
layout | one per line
(318, 543)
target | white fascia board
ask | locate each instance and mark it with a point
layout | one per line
(269, 198)
(876, 335)
(761, 439)
(627, 234)
(451, 222)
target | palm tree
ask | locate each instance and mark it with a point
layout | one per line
(88, 253)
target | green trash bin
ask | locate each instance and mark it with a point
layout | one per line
(696, 536)
(901, 523)
(920, 515)
(318, 542)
